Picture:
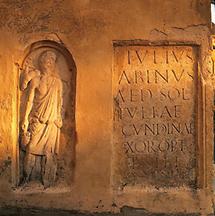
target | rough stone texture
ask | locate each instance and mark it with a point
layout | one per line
(87, 28)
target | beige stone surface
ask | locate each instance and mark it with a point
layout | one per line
(88, 28)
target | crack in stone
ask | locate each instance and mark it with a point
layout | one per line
(159, 31)
(190, 26)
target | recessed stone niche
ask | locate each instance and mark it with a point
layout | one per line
(155, 115)
(47, 89)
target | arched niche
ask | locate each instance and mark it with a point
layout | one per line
(66, 69)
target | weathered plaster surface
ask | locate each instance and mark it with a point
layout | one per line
(88, 28)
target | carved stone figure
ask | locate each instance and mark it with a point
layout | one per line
(40, 127)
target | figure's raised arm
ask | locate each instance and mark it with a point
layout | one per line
(28, 74)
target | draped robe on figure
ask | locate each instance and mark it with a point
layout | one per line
(46, 110)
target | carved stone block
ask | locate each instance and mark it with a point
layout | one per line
(155, 106)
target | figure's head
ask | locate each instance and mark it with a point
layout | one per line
(47, 61)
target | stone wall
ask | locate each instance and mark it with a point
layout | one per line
(92, 31)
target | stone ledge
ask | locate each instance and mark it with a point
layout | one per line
(125, 211)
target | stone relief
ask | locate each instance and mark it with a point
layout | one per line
(45, 92)
(42, 118)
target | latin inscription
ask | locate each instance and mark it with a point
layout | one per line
(154, 115)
